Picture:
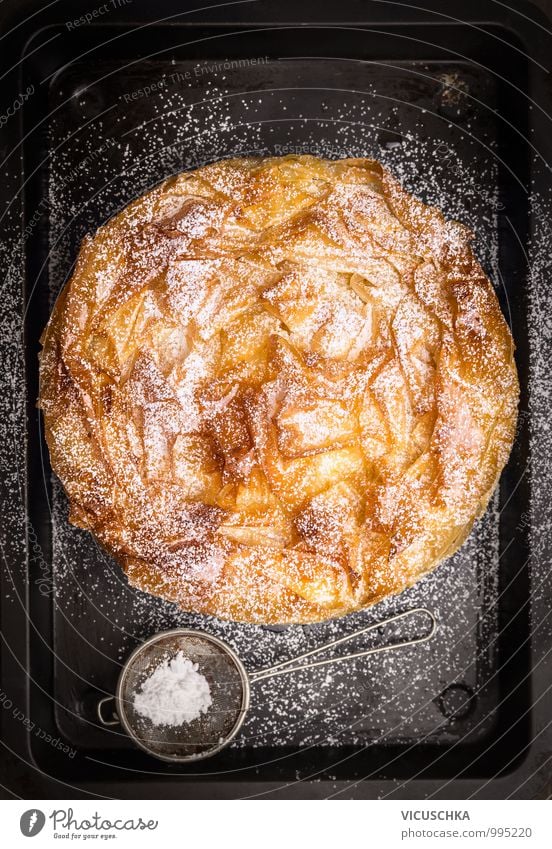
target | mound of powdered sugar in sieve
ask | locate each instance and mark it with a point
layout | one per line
(174, 693)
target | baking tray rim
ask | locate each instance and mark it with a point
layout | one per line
(255, 25)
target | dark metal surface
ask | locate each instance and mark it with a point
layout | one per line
(114, 110)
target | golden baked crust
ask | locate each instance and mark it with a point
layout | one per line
(278, 390)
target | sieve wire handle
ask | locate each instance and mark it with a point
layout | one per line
(99, 710)
(277, 669)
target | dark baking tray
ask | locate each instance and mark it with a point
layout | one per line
(116, 107)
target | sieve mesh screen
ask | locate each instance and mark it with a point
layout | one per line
(203, 736)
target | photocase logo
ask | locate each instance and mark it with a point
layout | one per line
(32, 822)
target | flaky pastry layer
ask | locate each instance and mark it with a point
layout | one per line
(278, 390)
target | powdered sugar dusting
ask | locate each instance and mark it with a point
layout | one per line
(389, 697)
(272, 369)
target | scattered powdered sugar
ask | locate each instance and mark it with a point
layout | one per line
(387, 697)
(175, 693)
(98, 618)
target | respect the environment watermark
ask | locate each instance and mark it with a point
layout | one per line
(98, 12)
(56, 742)
(202, 69)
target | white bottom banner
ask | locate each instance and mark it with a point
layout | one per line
(279, 824)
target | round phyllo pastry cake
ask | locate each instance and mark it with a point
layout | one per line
(278, 389)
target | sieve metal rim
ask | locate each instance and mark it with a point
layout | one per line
(183, 632)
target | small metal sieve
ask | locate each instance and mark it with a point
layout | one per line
(229, 682)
